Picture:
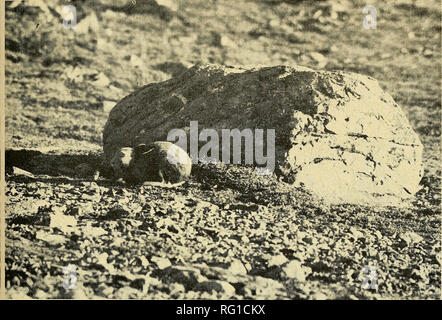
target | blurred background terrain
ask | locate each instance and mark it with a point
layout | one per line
(61, 84)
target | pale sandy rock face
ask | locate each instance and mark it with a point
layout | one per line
(337, 134)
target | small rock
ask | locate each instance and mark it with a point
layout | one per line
(227, 42)
(222, 287)
(115, 93)
(144, 261)
(170, 4)
(20, 172)
(92, 187)
(264, 287)
(319, 296)
(378, 234)
(78, 293)
(117, 242)
(161, 263)
(18, 294)
(96, 175)
(102, 260)
(410, 237)
(356, 233)
(116, 213)
(136, 61)
(318, 57)
(237, 267)
(51, 239)
(428, 53)
(277, 260)
(140, 284)
(63, 222)
(310, 240)
(93, 232)
(301, 235)
(189, 277)
(88, 24)
(96, 197)
(101, 80)
(40, 294)
(107, 291)
(420, 273)
(295, 270)
(104, 290)
(176, 288)
(126, 293)
(81, 209)
(372, 252)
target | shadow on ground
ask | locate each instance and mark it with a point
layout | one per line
(39, 163)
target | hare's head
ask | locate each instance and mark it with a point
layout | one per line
(122, 160)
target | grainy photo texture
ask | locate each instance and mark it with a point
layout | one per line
(219, 149)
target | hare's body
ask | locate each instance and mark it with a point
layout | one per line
(161, 162)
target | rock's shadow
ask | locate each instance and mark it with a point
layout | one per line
(55, 165)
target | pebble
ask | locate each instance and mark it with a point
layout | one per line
(108, 291)
(277, 260)
(140, 284)
(144, 261)
(222, 287)
(93, 232)
(172, 5)
(52, 239)
(410, 237)
(161, 263)
(295, 270)
(237, 267)
(40, 294)
(126, 293)
(319, 296)
(177, 288)
(101, 80)
(62, 222)
(356, 233)
(20, 172)
(189, 277)
(428, 53)
(91, 197)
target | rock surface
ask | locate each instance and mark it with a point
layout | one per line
(338, 134)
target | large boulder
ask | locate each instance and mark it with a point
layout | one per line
(338, 134)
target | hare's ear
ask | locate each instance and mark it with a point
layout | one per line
(143, 149)
(140, 148)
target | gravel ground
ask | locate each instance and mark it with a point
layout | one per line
(226, 233)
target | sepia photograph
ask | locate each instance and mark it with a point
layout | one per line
(222, 150)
